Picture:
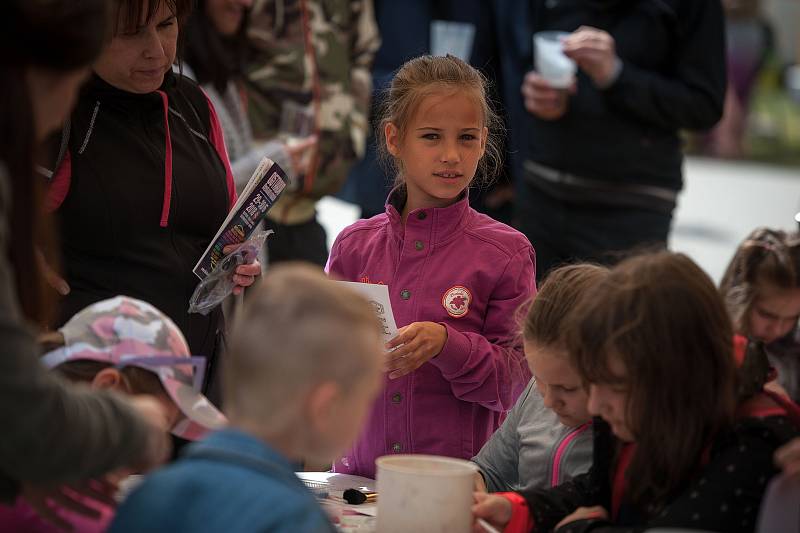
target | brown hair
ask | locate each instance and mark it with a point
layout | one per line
(766, 256)
(558, 296)
(661, 316)
(61, 36)
(131, 13)
(297, 329)
(139, 380)
(423, 76)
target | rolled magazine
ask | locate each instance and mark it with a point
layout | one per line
(259, 195)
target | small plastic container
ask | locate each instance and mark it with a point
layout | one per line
(550, 61)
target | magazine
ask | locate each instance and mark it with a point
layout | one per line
(262, 191)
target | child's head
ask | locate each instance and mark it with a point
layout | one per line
(437, 129)
(543, 331)
(130, 346)
(304, 363)
(761, 286)
(654, 342)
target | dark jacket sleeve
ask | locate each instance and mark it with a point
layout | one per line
(727, 494)
(549, 506)
(690, 97)
(52, 432)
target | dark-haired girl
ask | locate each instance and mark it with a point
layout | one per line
(674, 445)
(761, 288)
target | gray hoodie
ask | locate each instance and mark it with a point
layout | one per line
(532, 449)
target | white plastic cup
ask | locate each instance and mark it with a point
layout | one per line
(424, 494)
(550, 61)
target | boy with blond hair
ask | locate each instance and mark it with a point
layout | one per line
(303, 369)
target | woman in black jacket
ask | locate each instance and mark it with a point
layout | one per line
(146, 181)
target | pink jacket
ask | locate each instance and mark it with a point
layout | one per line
(469, 273)
(21, 518)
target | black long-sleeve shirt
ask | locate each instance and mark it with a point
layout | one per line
(673, 77)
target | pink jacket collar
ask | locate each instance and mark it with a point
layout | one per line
(444, 222)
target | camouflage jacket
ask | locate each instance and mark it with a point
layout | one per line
(316, 53)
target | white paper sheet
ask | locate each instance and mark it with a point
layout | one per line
(378, 296)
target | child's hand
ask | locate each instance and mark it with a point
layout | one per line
(494, 509)
(788, 458)
(421, 342)
(584, 513)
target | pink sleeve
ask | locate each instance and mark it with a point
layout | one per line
(58, 188)
(489, 367)
(218, 140)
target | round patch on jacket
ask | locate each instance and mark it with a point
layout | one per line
(456, 301)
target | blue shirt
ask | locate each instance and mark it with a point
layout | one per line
(229, 482)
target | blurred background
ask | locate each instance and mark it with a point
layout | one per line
(746, 172)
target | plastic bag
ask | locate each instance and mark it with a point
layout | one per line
(219, 284)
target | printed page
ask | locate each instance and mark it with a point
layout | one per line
(378, 296)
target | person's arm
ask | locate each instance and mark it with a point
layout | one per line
(727, 494)
(53, 432)
(534, 510)
(56, 433)
(489, 368)
(690, 97)
(499, 457)
(244, 166)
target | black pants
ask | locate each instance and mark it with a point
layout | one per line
(565, 232)
(298, 242)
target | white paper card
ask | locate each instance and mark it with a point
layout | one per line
(378, 296)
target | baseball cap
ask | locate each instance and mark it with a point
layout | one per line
(124, 331)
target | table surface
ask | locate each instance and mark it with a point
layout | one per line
(347, 518)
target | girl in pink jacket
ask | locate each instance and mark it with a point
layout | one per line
(455, 276)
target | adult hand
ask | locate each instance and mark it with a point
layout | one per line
(788, 458)
(47, 499)
(414, 345)
(159, 444)
(594, 51)
(493, 508)
(584, 513)
(300, 152)
(245, 275)
(542, 100)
